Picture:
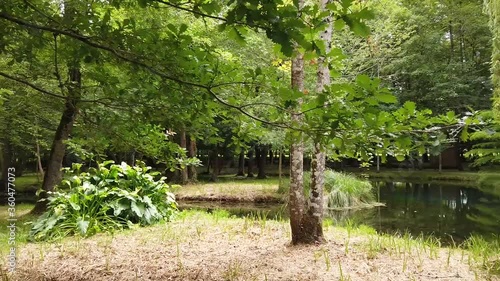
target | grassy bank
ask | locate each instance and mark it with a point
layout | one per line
(425, 176)
(199, 246)
(232, 190)
(28, 183)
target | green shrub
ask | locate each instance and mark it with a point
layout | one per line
(104, 199)
(343, 190)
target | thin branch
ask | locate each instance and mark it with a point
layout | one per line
(36, 9)
(33, 86)
(179, 7)
(86, 40)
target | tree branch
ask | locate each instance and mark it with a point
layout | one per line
(117, 53)
(33, 86)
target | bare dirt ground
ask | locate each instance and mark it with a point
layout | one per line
(198, 246)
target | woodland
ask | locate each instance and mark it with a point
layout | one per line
(116, 107)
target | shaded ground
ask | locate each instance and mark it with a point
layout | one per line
(198, 246)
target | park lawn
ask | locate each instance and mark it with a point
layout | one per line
(232, 190)
(27, 183)
(22, 224)
(201, 246)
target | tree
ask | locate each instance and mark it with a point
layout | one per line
(493, 9)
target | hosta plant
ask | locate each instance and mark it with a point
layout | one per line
(105, 198)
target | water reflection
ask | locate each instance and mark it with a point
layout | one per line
(449, 212)
(445, 211)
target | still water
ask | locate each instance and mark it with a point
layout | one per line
(449, 212)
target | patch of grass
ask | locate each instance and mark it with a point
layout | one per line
(23, 225)
(234, 248)
(244, 190)
(484, 252)
(27, 183)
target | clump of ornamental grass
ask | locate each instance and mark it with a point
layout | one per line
(344, 191)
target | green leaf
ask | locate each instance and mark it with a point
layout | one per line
(82, 226)
(410, 107)
(183, 28)
(235, 34)
(258, 71)
(339, 24)
(363, 81)
(138, 208)
(386, 97)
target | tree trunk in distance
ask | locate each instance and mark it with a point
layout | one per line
(262, 162)
(183, 144)
(280, 166)
(215, 164)
(241, 164)
(192, 152)
(250, 164)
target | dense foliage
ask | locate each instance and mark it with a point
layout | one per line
(105, 198)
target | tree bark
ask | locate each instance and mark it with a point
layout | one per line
(250, 164)
(58, 150)
(192, 152)
(183, 144)
(241, 165)
(452, 43)
(39, 160)
(280, 166)
(296, 195)
(307, 224)
(313, 220)
(262, 162)
(215, 164)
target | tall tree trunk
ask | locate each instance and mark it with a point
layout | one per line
(307, 221)
(452, 43)
(296, 194)
(183, 144)
(262, 162)
(250, 164)
(58, 149)
(241, 165)
(192, 151)
(280, 166)
(314, 216)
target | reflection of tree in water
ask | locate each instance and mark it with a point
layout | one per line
(433, 209)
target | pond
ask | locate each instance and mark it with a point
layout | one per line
(449, 212)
